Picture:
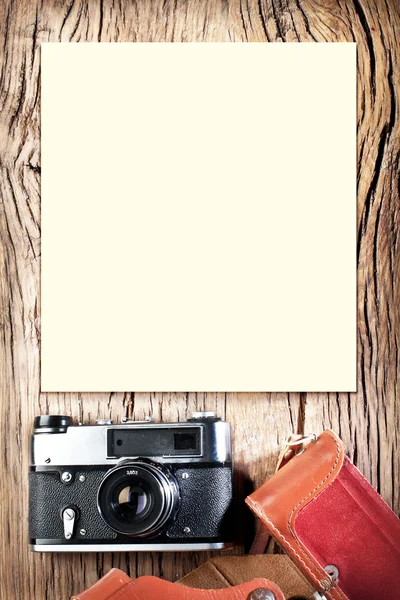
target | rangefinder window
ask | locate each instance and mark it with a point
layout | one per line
(186, 441)
(154, 442)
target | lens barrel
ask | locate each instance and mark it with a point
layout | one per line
(138, 498)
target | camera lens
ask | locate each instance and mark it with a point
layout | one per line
(138, 498)
(133, 501)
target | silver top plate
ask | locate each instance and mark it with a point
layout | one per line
(87, 445)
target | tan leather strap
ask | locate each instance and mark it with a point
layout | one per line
(261, 540)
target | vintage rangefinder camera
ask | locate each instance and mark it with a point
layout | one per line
(131, 486)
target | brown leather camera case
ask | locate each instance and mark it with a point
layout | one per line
(334, 526)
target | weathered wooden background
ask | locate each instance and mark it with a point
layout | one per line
(369, 421)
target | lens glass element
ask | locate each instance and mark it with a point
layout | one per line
(132, 501)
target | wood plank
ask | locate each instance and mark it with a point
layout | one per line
(368, 421)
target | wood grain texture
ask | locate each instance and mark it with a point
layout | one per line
(369, 421)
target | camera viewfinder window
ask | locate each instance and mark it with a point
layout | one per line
(185, 441)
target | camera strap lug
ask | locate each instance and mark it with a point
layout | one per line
(69, 518)
(295, 445)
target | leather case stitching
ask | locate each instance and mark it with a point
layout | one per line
(291, 527)
(279, 534)
(333, 469)
(376, 496)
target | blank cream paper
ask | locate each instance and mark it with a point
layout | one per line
(198, 217)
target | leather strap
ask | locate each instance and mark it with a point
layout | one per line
(118, 586)
(261, 540)
(227, 571)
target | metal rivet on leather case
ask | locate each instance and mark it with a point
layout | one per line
(333, 572)
(261, 594)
